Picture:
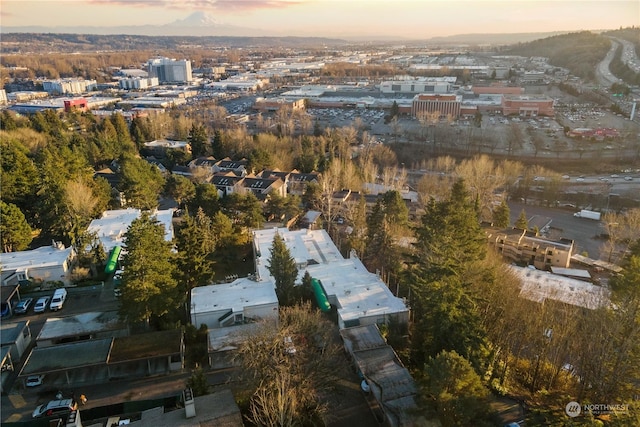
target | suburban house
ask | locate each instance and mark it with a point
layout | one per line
(47, 264)
(226, 184)
(360, 297)
(227, 165)
(261, 187)
(525, 247)
(297, 182)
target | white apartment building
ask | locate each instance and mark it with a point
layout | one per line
(69, 86)
(170, 70)
(138, 83)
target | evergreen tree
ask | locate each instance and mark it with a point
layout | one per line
(502, 215)
(180, 188)
(199, 140)
(522, 222)
(454, 391)
(206, 197)
(141, 182)
(196, 243)
(19, 177)
(395, 110)
(123, 136)
(449, 242)
(15, 233)
(283, 268)
(149, 287)
(449, 236)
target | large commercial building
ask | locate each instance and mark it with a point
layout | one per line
(68, 86)
(446, 105)
(416, 86)
(170, 70)
(527, 105)
(138, 83)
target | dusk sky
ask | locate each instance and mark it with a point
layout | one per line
(402, 18)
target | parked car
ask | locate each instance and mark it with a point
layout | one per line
(54, 407)
(34, 380)
(23, 306)
(41, 304)
(58, 299)
(5, 309)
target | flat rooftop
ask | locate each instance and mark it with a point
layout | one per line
(540, 285)
(357, 292)
(67, 356)
(43, 257)
(80, 324)
(112, 226)
(236, 295)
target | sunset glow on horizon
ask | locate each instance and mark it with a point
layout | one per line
(333, 18)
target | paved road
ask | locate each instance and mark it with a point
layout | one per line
(603, 75)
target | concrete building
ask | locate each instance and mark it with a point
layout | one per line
(446, 105)
(415, 86)
(138, 83)
(168, 70)
(242, 301)
(360, 297)
(46, 264)
(263, 104)
(68, 86)
(527, 105)
(113, 225)
(525, 247)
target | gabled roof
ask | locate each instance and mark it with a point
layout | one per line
(203, 162)
(225, 180)
(261, 183)
(303, 177)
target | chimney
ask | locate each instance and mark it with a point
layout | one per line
(189, 403)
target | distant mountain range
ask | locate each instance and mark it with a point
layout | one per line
(202, 24)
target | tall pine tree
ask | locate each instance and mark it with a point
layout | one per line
(283, 268)
(149, 287)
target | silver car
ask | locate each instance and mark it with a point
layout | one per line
(41, 305)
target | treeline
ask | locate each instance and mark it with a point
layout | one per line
(578, 52)
(42, 43)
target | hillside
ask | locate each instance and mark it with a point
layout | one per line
(67, 43)
(578, 52)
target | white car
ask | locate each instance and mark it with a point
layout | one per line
(34, 380)
(41, 305)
